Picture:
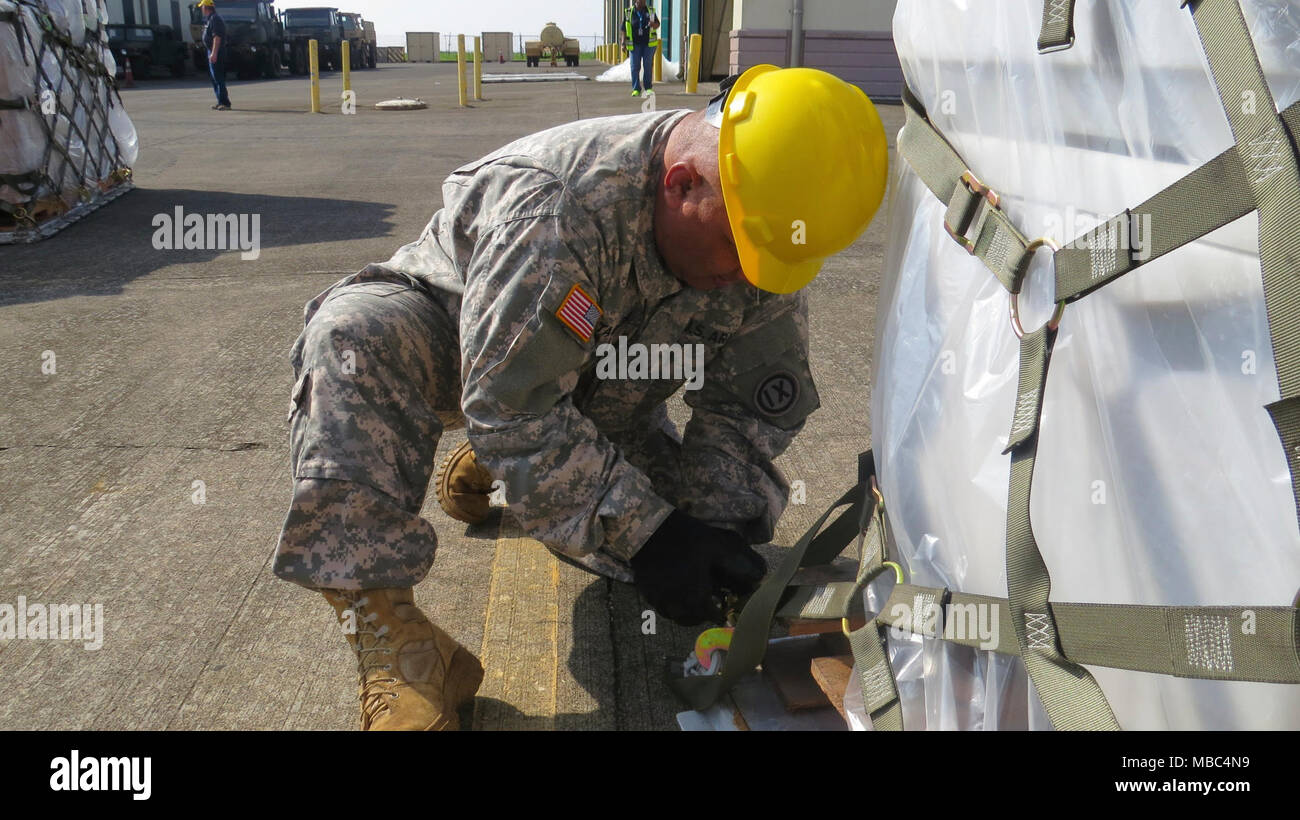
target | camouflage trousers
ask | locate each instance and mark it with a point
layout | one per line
(377, 377)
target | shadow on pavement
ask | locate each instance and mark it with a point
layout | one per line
(110, 247)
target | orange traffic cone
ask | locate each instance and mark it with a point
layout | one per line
(128, 81)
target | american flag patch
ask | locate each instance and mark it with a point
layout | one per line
(579, 313)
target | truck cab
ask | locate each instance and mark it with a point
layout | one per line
(147, 48)
(319, 23)
(254, 36)
(360, 36)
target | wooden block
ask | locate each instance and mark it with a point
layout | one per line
(832, 676)
(786, 666)
(805, 626)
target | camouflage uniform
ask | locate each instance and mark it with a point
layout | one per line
(588, 463)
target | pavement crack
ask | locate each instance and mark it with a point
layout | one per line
(613, 643)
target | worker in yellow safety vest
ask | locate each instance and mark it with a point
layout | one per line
(641, 27)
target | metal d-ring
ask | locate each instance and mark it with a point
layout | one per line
(1052, 323)
(898, 579)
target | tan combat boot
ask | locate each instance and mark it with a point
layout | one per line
(413, 675)
(463, 486)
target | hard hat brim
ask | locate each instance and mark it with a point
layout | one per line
(765, 272)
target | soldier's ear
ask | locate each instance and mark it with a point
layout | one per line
(679, 180)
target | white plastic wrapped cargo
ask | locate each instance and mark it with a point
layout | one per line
(66, 144)
(1160, 479)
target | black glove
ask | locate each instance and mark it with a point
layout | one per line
(687, 567)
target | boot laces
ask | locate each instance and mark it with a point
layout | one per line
(375, 691)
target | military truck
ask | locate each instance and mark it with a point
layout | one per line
(551, 44)
(147, 48)
(254, 38)
(362, 43)
(317, 23)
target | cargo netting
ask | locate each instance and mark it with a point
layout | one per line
(66, 143)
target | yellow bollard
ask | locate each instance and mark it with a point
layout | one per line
(460, 69)
(659, 62)
(347, 66)
(693, 64)
(478, 68)
(313, 65)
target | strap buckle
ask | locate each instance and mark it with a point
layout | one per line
(977, 189)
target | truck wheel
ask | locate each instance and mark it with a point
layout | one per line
(178, 66)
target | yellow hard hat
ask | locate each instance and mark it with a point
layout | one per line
(803, 160)
(203, 3)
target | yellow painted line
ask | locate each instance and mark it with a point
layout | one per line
(520, 651)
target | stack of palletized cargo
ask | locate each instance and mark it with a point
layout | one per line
(66, 142)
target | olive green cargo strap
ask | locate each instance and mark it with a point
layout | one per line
(843, 600)
(749, 641)
(836, 600)
(1070, 695)
(973, 219)
(1204, 200)
(1272, 166)
(1244, 643)
(1057, 31)
(876, 677)
(1200, 202)
(880, 697)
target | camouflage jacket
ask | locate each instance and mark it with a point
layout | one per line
(544, 254)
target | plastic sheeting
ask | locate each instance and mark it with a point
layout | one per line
(1160, 479)
(622, 73)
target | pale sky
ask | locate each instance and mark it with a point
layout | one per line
(393, 18)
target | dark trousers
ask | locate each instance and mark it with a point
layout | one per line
(643, 77)
(218, 72)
